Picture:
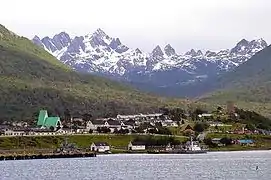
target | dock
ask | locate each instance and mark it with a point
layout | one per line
(45, 156)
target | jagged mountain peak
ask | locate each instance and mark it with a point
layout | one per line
(243, 42)
(210, 53)
(169, 50)
(36, 40)
(116, 45)
(259, 42)
(157, 51)
(137, 50)
(36, 37)
(62, 34)
(194, 53)
(199, 53)
(99, 32)
(248, 47)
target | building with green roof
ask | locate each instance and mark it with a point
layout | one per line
(48, 122)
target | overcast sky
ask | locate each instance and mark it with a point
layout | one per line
(185, 24)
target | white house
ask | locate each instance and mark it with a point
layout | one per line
(100, 146)
(205, 115)
(94, 124)
(112, 125)
(136, 146)
(15, 132)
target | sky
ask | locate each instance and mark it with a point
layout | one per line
(185, 24)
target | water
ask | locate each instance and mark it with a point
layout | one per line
(216, 165)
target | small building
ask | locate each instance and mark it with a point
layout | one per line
(94, 124)
(42, 132)
(112, 125)
(100, 147)
(205, 115)
(130, 124)
(217, 141)
(48, 122)
(65, 131)
(14, 132)
(136, 146)
(247, 142)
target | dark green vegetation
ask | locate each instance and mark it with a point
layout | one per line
(82, 141)
(253, 120)
(32, 79)
(248, 85)
(261, 142)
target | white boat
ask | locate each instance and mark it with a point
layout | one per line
(193, 147)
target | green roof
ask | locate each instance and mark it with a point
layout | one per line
(42, 116)
(51, 121)
(45, 121)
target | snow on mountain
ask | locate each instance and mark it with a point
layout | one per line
(99, 53)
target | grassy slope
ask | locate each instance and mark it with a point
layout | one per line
(248, 85)
(31, 78)
(82, 141)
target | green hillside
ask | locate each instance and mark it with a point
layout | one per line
(31, 79)
(249, 85)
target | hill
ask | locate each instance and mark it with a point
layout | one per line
(249, 85)
(31, 79)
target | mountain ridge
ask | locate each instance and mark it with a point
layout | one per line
(101, 54)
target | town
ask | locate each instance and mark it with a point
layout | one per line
(220, 128)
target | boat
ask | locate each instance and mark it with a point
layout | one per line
(191, 147)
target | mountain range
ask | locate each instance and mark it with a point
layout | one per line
(32, 79)
(162, 71)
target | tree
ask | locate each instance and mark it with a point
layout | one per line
(67, 115)
(200, 127)
(208, 142)
(226, 141)
(90, 131)
(219, 108)
(86, 117)
(250, 126)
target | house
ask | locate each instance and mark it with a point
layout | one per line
(112, 125)
(130, 124)
(205, 115)
(48, 122)
(65, 131)
(136, 146)
(169, 123)
(94, 124)
(217, 141)
(14, 132)
(42, 132)
(139, 116)
(247, 142)
(100, 147)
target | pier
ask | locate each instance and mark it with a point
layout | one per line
(45, 156)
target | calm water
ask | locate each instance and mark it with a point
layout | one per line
(216, 165)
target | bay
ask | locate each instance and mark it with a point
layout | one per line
(211, 166)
